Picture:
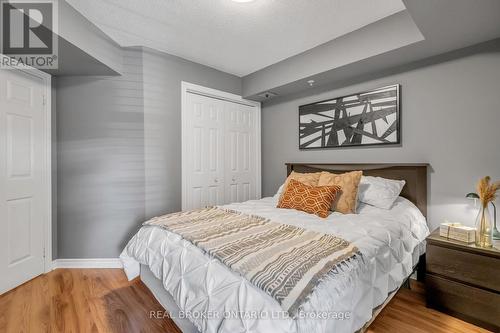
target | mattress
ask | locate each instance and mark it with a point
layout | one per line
(216, 299)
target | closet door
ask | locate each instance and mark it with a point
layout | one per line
(241, 153)
(205, 152)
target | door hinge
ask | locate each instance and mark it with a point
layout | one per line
(44, 100)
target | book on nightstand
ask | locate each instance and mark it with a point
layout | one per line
(457, 231)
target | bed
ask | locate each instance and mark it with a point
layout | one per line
(203, 295)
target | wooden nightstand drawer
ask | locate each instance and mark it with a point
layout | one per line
(464, 280)
(479, 270)
(472, 304)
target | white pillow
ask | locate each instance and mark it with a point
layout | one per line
(280, 190)
(379, 192)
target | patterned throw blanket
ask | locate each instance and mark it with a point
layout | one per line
(284, 261)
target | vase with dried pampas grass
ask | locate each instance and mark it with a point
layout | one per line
(487, 192)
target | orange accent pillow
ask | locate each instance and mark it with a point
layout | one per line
(349, 183)
(310, 199)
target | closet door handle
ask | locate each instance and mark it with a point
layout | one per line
(216, 180)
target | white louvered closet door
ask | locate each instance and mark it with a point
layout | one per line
(220, 155)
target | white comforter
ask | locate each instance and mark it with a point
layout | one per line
(219, 300)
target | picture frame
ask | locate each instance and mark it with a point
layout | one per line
(368, 118)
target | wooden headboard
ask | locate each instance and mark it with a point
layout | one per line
(415, 176)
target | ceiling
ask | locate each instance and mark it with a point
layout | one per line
(237, 38)
(428, 31)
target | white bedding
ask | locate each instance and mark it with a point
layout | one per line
(211, 294)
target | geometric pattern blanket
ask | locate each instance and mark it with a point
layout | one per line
(284, 261)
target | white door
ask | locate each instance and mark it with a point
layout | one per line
(21, 185)
(205, 157)
(241, 152)
(220, 147)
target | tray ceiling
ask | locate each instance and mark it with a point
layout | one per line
(238, 38)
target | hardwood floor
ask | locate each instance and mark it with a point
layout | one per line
(407, 313)
(102, 300)
(81, 300)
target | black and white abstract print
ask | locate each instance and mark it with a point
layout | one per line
(368, 118)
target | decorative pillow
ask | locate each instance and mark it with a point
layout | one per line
(379, 192)
(310, 199)
(279, 192)
(305, 178)
(348, 182)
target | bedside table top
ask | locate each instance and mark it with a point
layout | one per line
(434, 238)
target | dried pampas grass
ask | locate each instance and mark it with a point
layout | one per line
(487, 191)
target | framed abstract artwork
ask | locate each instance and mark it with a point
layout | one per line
(362, 119)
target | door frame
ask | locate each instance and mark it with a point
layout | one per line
(46, 163)
(192, 88)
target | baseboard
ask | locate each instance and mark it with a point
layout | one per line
(87, 263)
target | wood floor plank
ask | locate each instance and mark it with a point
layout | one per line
(407, 313)
(102, 300)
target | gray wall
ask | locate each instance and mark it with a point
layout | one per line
(100, 169)
(162, 123)
(53, 138)
(450, 119)
(119, 149)
(78, 30)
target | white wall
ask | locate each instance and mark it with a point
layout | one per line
(450, 119)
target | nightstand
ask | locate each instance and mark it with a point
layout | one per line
(464, 280)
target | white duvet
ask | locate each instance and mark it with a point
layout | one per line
(219, 300)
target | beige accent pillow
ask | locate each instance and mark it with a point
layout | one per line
(349, 182)
(310, 179)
